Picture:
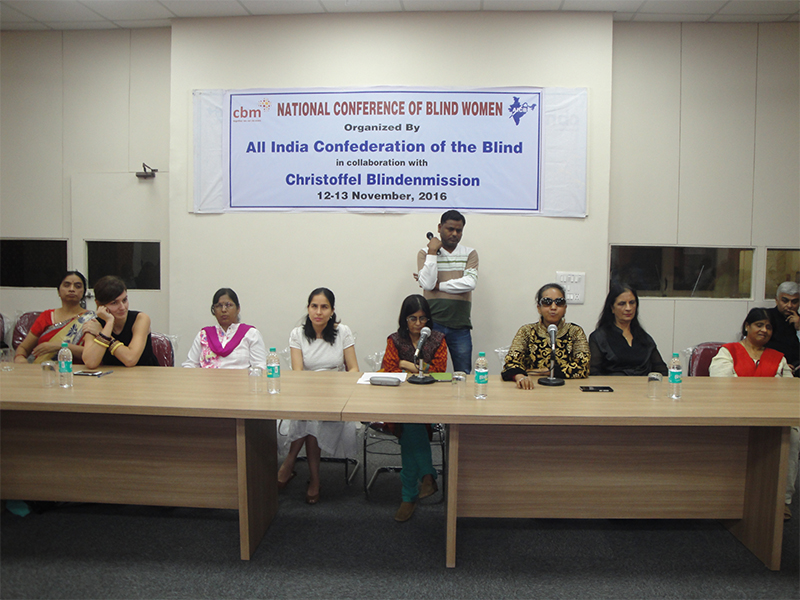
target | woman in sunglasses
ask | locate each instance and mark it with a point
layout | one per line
(620, 345)
(530, 352)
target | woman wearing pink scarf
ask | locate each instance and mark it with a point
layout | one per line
(229, 344)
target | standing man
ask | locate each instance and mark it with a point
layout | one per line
(786, 324)
(448, 272)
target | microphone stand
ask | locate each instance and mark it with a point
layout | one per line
(552, 380)
(421, 378)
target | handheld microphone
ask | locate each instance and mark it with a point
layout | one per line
(429, 235)
(423, 337)
(551, 331)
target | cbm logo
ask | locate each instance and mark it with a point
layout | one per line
(251, 114)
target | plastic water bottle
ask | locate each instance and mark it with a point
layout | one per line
(675, 377)
(481, 377)
(273, 372)
(65, 366)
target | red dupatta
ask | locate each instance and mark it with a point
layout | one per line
(745, 366)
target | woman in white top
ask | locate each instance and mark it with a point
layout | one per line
(321, 344)
(229, 344)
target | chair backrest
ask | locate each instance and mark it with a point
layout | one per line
(23, 326)
(701, 358)
(162, 348)
(501, 354)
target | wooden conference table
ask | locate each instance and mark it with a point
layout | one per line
(156, 436)
(196, 437)
(719, 453)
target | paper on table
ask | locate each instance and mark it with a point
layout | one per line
(366, 376)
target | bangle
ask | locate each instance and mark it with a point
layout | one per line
(104, 337)
(115, 346)
(97, 341)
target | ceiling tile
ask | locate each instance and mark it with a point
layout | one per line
(442, 5)
(677, 7)
(687, 18)
(521, 5)
(9, 15)
(334, 6)
(626, 6)
(54, 10)
(117, 10)
(718, 18)
(24, 26)
(203, 8)
(752, 7)
(144, 24)
(282, 7)
(76, 25)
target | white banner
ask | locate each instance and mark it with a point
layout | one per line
(393, 150)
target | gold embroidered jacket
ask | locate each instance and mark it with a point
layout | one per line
(531, 350)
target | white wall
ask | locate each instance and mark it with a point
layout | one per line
(274, 260)
(704, 152)
(79, 113)
(78, 106)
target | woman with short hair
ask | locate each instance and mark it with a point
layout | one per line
(118, 336)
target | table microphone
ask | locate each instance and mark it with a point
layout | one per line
(423, 337)
(421, 377)
(552, 330)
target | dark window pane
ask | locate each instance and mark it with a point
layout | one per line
(684, 272)
(137, 263)
(782, 265)
(32, 263)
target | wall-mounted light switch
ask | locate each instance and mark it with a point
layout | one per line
(574, 284)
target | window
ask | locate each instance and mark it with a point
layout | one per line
(782, 265)
(32, 263)
(137, 263)
(683, 272)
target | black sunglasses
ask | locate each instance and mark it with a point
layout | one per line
(549, 301)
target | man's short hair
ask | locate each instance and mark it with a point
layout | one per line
(453, 215)
(789, 288)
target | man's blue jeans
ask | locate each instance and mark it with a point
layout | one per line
(459, 344)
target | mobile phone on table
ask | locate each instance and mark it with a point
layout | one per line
(596, 388)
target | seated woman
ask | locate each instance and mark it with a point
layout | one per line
(415, 447)
(320, 344)
(58, 325)
(620, 345)
(530, 351)
(117, 336)
(751, 358)
(229, 344)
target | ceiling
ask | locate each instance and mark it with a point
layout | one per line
(41, 15)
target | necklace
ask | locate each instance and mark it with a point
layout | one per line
(755, 352)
